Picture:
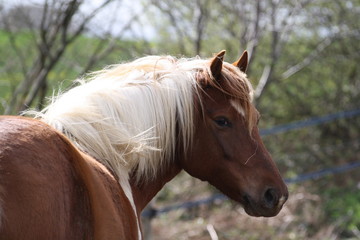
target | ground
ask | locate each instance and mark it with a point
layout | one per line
(301, 218)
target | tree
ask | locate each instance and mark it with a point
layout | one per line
(189, 20)
(55, 26)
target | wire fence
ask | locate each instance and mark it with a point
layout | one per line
(310, 122)
(153, 212)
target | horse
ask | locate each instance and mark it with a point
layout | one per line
(88, 164)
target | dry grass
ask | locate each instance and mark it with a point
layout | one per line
(301, 218)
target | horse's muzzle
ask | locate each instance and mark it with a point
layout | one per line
(269, 205)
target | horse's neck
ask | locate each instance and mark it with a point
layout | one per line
(145, 191)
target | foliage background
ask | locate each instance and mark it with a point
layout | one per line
(304, 63)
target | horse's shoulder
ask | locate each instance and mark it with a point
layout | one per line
(34, 160)
(24, 126)
(27, 145)
(112, 212)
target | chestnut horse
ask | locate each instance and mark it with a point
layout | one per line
(102, 150)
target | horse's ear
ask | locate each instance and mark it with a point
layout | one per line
(242, 63)
(216, 64)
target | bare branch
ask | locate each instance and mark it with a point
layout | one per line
(53, 37)
(12, 40)
(254, 39)
(308, 59)
(211, 230)
(280, 29)
(174, 22)
(86, 21)
(200, 24)
(100, 52)
(263, 81)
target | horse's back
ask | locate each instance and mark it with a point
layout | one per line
(39, 188)
(48, 188)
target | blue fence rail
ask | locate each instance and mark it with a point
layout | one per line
(310, 122)
(153, 212)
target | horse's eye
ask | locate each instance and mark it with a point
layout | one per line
(222, 122)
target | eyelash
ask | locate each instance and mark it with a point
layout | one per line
(222, 122)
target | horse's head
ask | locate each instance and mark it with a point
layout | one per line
(227, 149)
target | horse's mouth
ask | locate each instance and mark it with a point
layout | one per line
(259, 210)
(249, 208)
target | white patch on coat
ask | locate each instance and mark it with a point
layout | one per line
(238, 107)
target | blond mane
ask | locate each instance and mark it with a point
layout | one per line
(126, 116)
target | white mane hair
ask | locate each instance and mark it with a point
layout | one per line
(126, 115)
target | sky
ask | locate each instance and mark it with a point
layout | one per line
(110, 19)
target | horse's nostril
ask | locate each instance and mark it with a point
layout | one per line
(246, 199)
(270, 198)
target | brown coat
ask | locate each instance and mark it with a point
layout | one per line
(50, 190)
